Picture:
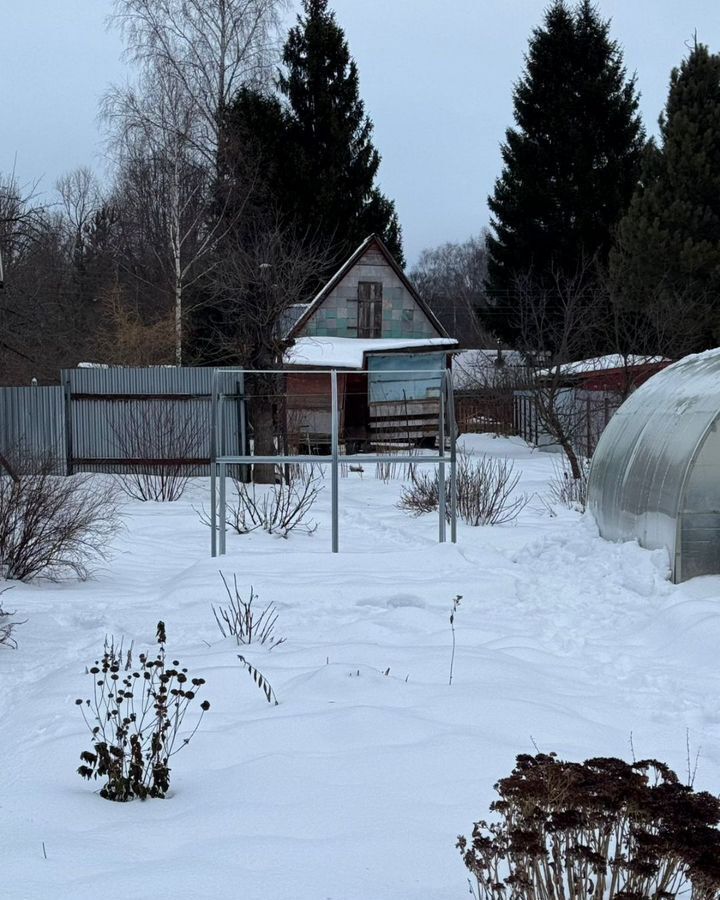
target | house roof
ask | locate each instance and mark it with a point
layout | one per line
(343, 271)
(604, 364)
(350, 353)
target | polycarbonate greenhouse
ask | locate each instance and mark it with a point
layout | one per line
(655, 476)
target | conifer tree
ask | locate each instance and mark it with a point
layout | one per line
(334, 190)
(571, 160)
(667, 259)
(306, 153)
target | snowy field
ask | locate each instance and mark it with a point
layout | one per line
(355, 786)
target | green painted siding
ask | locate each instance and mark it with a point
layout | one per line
(401, 316)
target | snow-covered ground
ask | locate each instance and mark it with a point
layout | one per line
(357, 784)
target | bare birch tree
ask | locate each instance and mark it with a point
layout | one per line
(169, 185)
(208, 47)
(192, 56)
(80, 199)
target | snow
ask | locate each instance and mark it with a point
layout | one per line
(605, 363)
(349, 353)
(358, 783)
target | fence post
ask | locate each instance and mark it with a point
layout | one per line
(223, 508)
(335, 447)
(213, 466)
(242, 425)
(441, 466)
(453, 459)
(588, 413)
(67, 398)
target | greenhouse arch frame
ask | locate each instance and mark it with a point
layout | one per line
(655, 475)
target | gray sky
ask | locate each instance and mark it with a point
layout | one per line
(436, 76)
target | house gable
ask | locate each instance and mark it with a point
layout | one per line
(335, 310)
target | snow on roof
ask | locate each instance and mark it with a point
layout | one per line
(604, 363)
(349, 353)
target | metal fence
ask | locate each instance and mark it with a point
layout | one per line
(333, 390)
(120, 420)
(485, 412)
(584, 415)
(32, 423)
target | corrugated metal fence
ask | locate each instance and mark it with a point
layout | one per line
(32, 422)
(585, 415)
(115, 420)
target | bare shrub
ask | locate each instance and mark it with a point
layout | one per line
(485, 488)
(244, 623)
(280, 509)
(422, 494)
(599, 829)
(135, 717)
(7, 625)
(568, 490)
(162, 443)
(53, 525)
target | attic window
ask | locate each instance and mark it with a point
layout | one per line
(370, 309)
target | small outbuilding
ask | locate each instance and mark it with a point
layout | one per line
(655, 475)
(370, 324)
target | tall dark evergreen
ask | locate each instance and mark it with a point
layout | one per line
(571, 160)
(320, 163)
(667, 259)
(335, 190)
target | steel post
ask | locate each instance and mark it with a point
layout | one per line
(441, 465)
(452, 424)
(213, 458)
(335, 447)
(222, 512)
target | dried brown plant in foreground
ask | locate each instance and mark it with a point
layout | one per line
(599, 830)
(135, 716)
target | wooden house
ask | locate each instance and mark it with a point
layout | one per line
(370, 324)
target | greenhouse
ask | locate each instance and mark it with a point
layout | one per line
(655, 475)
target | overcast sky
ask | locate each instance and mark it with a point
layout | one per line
(436, 76)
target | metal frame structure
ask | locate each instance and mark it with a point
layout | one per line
(654, 475)
(219, 461)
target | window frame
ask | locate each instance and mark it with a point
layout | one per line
(370, 308)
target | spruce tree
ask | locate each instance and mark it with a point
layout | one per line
(258, 159)
(667, 260)
(571, 160)
(334, 189)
